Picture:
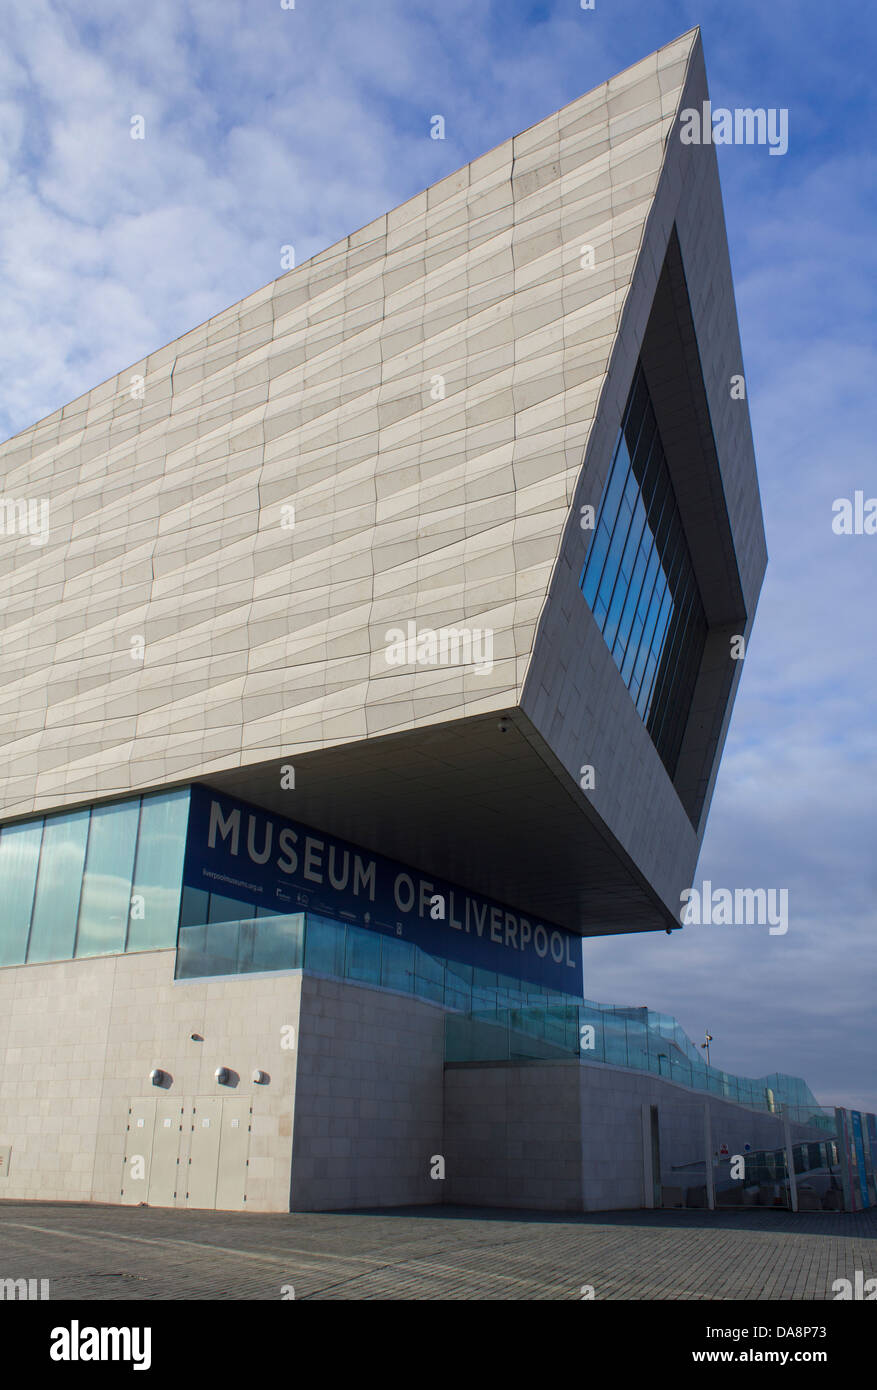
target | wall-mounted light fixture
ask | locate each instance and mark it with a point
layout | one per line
(157, 1076)
(221, 1075)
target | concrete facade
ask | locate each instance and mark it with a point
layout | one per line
(363, 1079)
(80, 1039)
(369, 1098)
(352, 1114)
(570, 1136)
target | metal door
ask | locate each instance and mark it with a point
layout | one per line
(138, 1151)
(164, 1168)
(234, 1149)
(206, 1117)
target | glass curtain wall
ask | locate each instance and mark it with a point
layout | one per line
(93, 882)
(221, 936)
(639, 582)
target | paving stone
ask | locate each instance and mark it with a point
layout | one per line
(90, 1252)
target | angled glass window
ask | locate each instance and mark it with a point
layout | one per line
(97, 881)
(19, 859)
(59, 884)
(106, 887)
(158, 870)
(639, 582)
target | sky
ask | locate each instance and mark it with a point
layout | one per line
(269, 127)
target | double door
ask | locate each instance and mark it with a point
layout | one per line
(191, 1151)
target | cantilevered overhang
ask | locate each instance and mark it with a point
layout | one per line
(679, 321)
(492, 811)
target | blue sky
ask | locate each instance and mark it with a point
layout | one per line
(268, 127)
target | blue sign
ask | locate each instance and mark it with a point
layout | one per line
(252, 856)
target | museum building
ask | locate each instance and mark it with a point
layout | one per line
(376, 652)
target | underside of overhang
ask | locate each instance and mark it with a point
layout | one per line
(489, 810)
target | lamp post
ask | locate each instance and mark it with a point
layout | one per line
(709, 1038)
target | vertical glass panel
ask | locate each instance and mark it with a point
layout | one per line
(592, 1045)
(225, 951)
(614, 614)
(615, 486)
(652, 623)
(397, 964)
(458, 985)
(192, 942)
(278, 941)
(483, 988)
(429, 979)
(634, 590)
(648, 686)
(596, 558)
(19, 858)
(637, 1043)
(221, 947)
(654, 471)
(158, 870)
(620, 524)
(106, 887)
(56, 904)
(640, 455)
(656, 595)
(194, 908)
(363, 956)
(615, 1041)
(229, 938)
(324, 945)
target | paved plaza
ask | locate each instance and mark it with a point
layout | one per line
(104, 1252)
